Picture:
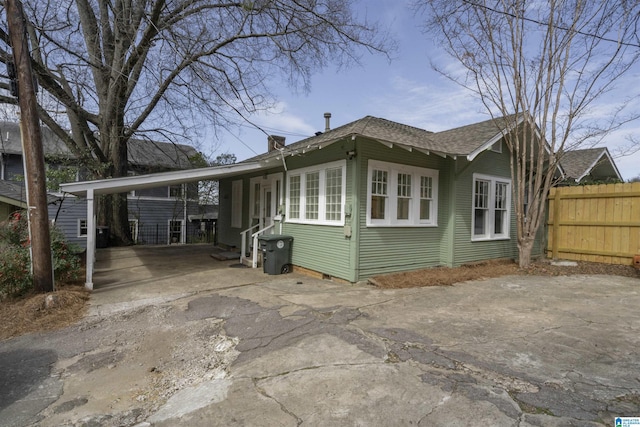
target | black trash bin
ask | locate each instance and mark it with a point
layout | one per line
(276, 253)
(102, 237)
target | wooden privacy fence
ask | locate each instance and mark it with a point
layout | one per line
(597, 223)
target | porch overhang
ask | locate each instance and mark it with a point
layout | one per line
(139, 182)
(91, 189)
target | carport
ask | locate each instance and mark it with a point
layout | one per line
(91, 189)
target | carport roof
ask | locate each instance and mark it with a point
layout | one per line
(131, 183)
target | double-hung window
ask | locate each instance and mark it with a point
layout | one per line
(401, 196)
(316, 195)
(82, 228)
(491, 207)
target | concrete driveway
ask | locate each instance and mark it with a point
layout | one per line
(215, 345)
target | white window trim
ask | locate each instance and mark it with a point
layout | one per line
(342, 164)
(80, 220)
(236, 204)
(134, 236)
(391, 206)
(491, 235)
(180, 196)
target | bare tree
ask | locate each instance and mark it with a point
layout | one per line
(539, 68)
(116, 69)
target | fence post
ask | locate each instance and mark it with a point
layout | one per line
(555, 235)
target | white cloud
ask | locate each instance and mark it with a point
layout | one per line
(429, 105)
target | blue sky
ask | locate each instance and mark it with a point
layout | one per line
(406, 90)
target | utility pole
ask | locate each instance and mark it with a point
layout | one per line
(35, 178)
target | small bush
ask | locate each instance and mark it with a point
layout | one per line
(15, 271)
(15, 276)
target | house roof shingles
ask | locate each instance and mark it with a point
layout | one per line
(140, 152)
(461, 141)
(368, 127)
(16, 193)
(579, 163)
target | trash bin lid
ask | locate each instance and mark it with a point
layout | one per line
(272, 237)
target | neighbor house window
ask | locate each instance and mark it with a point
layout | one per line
(82, 228)
(400, 195)
(236, 204)
(133, 229)
(491, 207)
(176, 191)
(316, 195)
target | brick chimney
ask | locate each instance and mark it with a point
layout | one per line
(275, 142)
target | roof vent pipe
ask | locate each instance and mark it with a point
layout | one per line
(327, 122)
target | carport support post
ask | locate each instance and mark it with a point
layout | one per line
(91, 239)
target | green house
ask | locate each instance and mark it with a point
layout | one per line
(376, 196)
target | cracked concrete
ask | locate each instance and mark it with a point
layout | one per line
(222, 346)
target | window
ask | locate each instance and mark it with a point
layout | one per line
(236, 204)
(312, 196)
(401, 196)
(176, 191)
(294, 197)
(404, 195)
(316, 195)
(497, 147)
(426, 197)
(82, 228)
(378, 198)
(333, 194)
(491, 207)
(133, 229)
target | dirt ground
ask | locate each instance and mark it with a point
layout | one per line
(69, 304)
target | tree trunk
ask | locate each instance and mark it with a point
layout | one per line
(113, 210)
(525, 246)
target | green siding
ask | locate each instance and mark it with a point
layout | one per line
(464, 250)
(325, 248)
(378, 250)
(321, 248)
(391, 249)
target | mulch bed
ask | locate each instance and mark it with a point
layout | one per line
(445, 276)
